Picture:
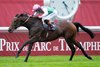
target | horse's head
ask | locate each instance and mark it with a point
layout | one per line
(18, 20)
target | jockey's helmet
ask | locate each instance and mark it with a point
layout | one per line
(36, 7)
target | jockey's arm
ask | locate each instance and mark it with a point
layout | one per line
(45, 12)
(35, 14)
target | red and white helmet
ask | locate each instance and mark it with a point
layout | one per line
(35, 7)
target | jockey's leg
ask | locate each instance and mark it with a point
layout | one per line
(46, 23)
(48, 20)
(50, 25)
(43, 20)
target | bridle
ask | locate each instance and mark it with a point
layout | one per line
(28, 17)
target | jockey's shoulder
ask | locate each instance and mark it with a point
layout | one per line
(46, 7)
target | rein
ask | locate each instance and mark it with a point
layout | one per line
(27, 19)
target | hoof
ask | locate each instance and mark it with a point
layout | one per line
(25, 60)
(70, 59)
(90, 58)
(17, 56)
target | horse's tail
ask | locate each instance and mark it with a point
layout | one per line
(84, 29)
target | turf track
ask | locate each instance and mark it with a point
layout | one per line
(50, 61)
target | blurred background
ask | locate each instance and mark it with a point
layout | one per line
(88, 15)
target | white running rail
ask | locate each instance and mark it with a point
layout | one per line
(23, 29)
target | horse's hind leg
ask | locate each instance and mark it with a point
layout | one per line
(71, 46)
(80, 47)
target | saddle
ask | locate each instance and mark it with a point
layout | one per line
(50, 27)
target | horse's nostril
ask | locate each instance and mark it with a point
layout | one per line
(9, 30)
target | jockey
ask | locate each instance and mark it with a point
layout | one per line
(46, 13)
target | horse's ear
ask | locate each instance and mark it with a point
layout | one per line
(17, 15)
(21, 14)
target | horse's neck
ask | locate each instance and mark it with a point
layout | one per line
(27, 25)
(33, 23)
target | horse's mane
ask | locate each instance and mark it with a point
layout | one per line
(22, 14)
(27, 15)
(36, 17)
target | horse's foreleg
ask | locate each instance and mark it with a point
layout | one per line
(17, 55)
(30, 42)
(71, 46)
(29, 51)
(80, 47)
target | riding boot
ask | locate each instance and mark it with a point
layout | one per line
(51, 27)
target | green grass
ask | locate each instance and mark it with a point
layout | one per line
(50, 61)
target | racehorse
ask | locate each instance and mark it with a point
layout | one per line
(37, 33)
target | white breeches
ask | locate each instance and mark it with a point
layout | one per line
(51, 16)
